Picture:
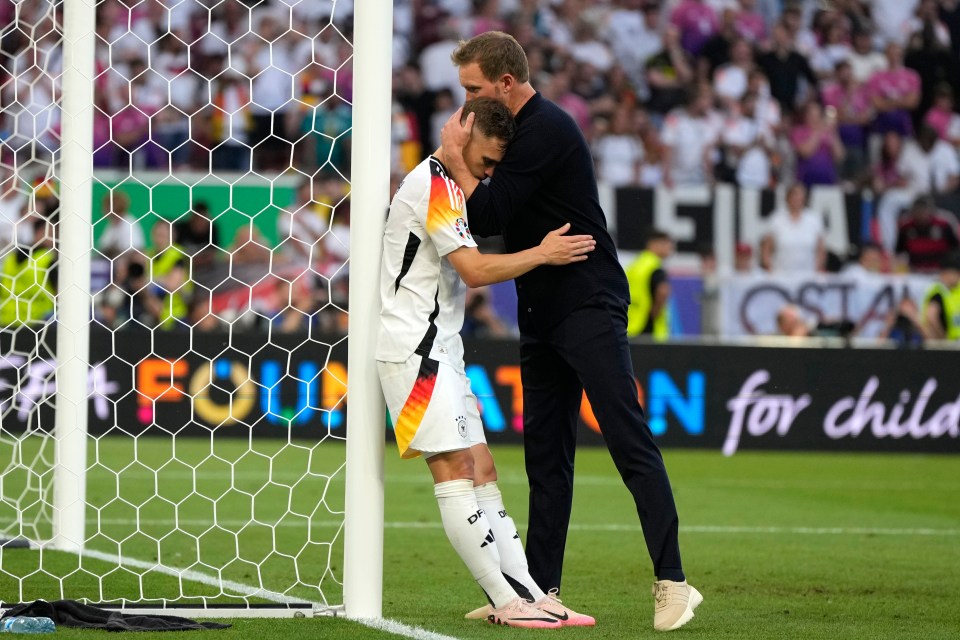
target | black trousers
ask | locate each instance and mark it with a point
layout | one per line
(589, 351)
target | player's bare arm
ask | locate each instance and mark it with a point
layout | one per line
(479, 269)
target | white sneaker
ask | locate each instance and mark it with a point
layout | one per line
(520, 613)
(675, 602)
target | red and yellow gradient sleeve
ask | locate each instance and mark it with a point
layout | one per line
(445, 216)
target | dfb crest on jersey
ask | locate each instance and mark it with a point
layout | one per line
(462, 426)
(460, 226)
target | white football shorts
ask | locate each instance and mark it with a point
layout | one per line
(431, 406)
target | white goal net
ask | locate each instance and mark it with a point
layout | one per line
(214, 461)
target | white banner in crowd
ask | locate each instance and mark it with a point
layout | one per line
(718, 216)
(749, 303)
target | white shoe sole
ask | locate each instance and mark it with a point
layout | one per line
(692, 603)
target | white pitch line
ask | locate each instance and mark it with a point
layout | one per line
(729, 529)
(706, 529)
(852, 531)
(855, 531)
(196, 576)
(382, 624)
(279, 475)
(400, 629)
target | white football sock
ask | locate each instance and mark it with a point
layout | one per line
(513, 561)
(472, 538)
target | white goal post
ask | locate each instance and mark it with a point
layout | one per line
(73, 291)
(101, 498)
(363, 543)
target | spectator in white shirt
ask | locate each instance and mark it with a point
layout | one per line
(15, 229)
(651, 165)
(128, 34)
(869, 262)
(32, 115)
(228, 121)
(767, 110)
(225, 25)
(927, 13)
(436, 57)
(746, 143)
(271, 62)
(618, 152)
(301, 227)
(892, 190)
(731, 79)
(171, 125)
(690, 136)
(557, 19)
(942, 117)
(864, 59)
(890, 17)
(123, 233)
(832, 51)
(633, 32)
(122, 242)
(930, 164)
(796, 20)
(588, 49)
(794, 240)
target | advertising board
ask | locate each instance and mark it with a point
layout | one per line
(725, 398)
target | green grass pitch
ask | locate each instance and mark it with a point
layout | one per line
(782, 545)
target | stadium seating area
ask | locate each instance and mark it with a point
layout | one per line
(760, 88)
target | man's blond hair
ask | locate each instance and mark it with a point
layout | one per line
(497, 53)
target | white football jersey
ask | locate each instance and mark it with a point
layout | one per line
(421, 294)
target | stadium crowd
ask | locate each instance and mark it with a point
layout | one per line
(759, 93)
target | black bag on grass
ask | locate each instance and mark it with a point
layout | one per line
(70, 613)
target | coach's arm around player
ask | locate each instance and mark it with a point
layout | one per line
(480, 269)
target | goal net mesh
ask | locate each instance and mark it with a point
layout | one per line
(217, 310)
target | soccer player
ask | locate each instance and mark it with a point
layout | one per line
(573, 320)
(428, 255)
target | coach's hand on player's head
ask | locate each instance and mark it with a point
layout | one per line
(563, 249)
(455, 134)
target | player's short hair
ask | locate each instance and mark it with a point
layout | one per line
(492, 119)
(496, 52)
